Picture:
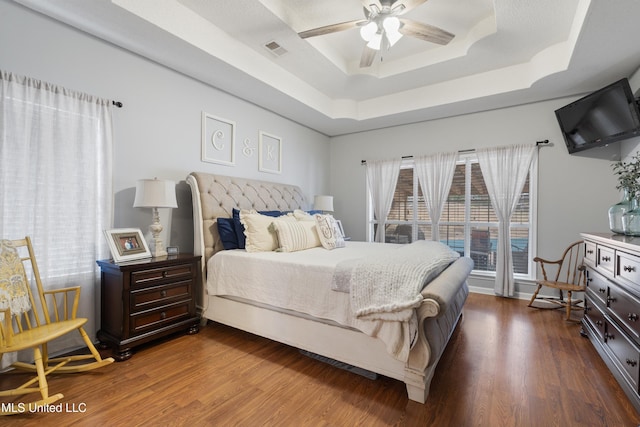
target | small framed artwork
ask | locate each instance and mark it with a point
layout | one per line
(270, 152)
(127, 244)
(218, 140)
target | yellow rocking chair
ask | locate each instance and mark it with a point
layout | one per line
(23, 327)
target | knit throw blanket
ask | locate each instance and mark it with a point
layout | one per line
(388, 287)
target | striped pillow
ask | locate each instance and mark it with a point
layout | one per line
(295, 236)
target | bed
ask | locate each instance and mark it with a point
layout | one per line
(253, 291)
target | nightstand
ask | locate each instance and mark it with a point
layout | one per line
(147, 299)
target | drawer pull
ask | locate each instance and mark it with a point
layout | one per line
(590, 251)
(163, 315)
(609, 336)
(632, 317)
(599, 322)
(163, 294)
(602, 290)
(631, 362)
(629, 268)
(165, 274)
(610, 299)
(606, 258)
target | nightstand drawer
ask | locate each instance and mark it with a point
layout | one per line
(146, 298)
(154, 319)
(146, 278)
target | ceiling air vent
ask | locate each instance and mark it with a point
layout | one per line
(275, 48)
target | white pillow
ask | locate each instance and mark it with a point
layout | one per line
(256, 230)
(303, 216)
(296, 236)
(329, 232)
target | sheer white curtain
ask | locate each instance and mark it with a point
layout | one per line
(504, 170)
(382, 177)
(435, 174)
(55, 184)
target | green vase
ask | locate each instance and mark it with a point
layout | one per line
(618, 210)
(631, 219)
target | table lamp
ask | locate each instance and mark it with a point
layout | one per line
(323, 203)
(155, 193)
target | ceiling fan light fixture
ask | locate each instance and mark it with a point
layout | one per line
(391, 27)
(375, 41)
(368, 31)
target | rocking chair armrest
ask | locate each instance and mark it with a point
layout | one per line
(546, 261)
(6, 333)
(64, 291)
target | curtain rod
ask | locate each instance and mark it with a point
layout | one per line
(117, 103)
(469, 150)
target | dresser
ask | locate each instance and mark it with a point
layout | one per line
(146, 299)
(612, 306)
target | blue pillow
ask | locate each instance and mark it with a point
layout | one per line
(239, 228)
(227, 232)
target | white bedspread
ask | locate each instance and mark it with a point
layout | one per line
(301, 281)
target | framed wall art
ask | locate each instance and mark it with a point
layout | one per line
(270, 153)
(218, 140)
(127, 244)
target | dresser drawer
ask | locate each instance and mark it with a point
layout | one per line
(595, 317)
(606, 259)
(145, 298)
(628, 267)
(626, 354)
(157, 318)
(625, 308)
(154, 276)
(597, 287)
(590, 253)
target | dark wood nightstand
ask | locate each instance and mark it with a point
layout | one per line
(147, 299)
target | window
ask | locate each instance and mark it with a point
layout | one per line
(468, 223)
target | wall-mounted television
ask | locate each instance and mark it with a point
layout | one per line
(607, 115)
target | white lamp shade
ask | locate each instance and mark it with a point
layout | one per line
(155, 193)
(323, 203)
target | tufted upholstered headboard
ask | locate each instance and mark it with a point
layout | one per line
(215, 196)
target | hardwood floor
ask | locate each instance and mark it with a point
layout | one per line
(506, 365)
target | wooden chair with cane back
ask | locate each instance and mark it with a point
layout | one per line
(567, 274)
(24, 325)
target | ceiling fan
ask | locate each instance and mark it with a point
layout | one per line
(382, 28)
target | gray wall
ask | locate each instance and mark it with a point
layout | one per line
(574, 192)
(158, 131)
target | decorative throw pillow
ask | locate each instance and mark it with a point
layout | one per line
(256, 230)
(295, 236)
(303, 216)
(227, 232)
(239, 228)
(329, 232)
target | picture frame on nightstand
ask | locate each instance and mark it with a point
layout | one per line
(127, 244)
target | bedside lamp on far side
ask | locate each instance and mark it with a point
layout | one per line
(323, 203)
(155, 193)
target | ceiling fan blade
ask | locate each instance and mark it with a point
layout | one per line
(367, 4)
(367, 57)
(409, 4)
(328, 29)
(425, 32)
